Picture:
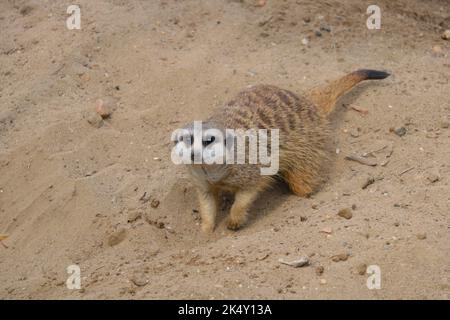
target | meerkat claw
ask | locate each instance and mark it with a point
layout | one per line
(233, 224)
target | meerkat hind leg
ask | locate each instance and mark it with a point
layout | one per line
(300, 183)
(208, 209)
(238, 213)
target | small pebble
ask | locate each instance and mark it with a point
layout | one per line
(345, 213)
(104, 107)
(437, 49)
(25, 10)
(139, 279)
(433, 177)
(154, 203)
(422, 236)
(354, 133)
(446, 35)
(401, 131)
(117, 237)
(361, 269)
(301, 262)
(305, 41)
(319, 270)
(340, 257)
(261, 3)
(368, 182)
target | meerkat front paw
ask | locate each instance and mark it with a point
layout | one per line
(207, 227)
(234, 223)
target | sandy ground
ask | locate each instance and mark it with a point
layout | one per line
(107, 197)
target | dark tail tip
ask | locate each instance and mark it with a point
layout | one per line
(372, 74)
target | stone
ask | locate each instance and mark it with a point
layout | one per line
(117, 237)
(401, 131)
(301, 262)
(361, 269)
(105, 106)
(319, 270)
(139, 279)
(345, 213)
(340, 257)
(422, 236)
(446, 35)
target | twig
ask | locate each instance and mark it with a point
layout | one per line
(405, 171)
(359, 109)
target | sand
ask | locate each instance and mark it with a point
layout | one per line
(105, 196)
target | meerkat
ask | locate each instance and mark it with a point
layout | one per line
(305, 133)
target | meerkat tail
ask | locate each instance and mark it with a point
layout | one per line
(325, 97)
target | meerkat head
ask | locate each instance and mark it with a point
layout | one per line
(202, 146)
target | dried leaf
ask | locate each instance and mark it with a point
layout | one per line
(362, 160)
(303, 261)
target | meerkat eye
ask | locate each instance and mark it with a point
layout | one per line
(188, 139)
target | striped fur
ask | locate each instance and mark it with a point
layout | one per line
(305, 140)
